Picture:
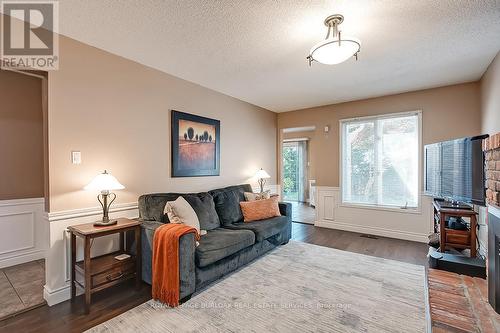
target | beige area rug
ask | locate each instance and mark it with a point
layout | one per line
(298, 287)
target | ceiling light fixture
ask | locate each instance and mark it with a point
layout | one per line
(335, 48)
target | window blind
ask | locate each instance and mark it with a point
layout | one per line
(380, 160)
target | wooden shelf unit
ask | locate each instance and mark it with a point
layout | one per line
(451, 238)
(93, 274)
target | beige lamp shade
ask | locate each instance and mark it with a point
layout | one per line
(262, 174)
(104, 182)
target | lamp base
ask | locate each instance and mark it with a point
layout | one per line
(105, 223)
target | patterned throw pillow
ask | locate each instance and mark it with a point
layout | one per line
(180, 211)
(249, 196)
(260, 209)
(169, 210)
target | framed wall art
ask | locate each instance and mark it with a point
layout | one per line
(195, 145)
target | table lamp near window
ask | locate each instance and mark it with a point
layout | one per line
(262, 175)
(105, 183)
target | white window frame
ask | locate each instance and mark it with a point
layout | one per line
(412, 210)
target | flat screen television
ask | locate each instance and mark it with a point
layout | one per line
(454, 170)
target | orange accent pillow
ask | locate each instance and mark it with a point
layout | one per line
(260, 209)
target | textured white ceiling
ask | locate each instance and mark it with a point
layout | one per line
(255, 50)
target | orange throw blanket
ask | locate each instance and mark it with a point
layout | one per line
(166, 277)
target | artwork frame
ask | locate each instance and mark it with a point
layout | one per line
(195, 145)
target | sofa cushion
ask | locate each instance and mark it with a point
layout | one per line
(151, 206)
(263, 229)
(227, 202)
(220, 243)
(203, 205)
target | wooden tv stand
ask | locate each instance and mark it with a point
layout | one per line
(451, 238)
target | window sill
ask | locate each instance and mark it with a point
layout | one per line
(416, 210)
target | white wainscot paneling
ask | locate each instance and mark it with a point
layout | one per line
(326, 204)
(402, 224)
(23, 231)
(57, 266)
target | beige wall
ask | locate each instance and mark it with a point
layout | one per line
(21, 136)
(490, 97)
(117, 113)
(447, 112)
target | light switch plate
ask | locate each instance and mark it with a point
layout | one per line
(76, 157)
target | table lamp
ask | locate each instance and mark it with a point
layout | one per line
(105, 183)
(262, 175)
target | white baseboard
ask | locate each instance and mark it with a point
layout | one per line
(22, 258)
(422, 238)
(59, 295)
(53, 297)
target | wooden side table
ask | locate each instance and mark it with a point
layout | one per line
(98, 273)
(461, 239)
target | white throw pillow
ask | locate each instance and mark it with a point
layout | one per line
(249, 196)
(180, 211)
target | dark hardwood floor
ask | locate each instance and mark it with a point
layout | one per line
(69, 316)
(389, 248)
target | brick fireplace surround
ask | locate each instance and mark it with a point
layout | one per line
(491, 147)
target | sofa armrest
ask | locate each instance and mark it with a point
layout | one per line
(285, 209)
(187, 246)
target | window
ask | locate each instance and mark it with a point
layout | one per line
(380, 160)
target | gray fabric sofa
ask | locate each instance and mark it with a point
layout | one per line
(229, 243)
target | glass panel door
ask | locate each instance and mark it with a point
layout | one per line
(291, 181)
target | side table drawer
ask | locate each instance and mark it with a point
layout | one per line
(457, 237)
(113, 274)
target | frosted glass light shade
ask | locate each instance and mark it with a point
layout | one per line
(261, 174)
(331, 52)
(104, 182)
